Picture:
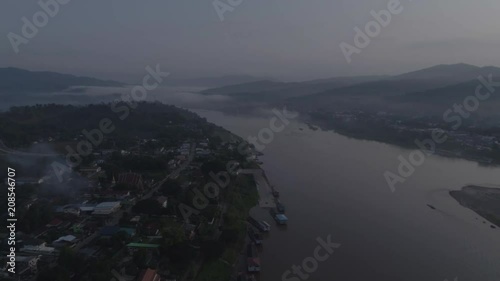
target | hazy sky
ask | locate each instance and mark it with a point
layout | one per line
(283, 39)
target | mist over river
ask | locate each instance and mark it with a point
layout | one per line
(334, 185)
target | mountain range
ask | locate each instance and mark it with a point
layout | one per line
(16, 80)
(422, 91)
(427, 90)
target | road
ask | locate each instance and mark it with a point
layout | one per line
(174, 174)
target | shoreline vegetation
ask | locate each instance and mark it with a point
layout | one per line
(241, 198)
(401, 138)
(485, 201)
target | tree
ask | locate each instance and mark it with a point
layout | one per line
(213, 249)
(139, 258)
(70, 260)
(173, 235)
(148, 206)
(213, 166)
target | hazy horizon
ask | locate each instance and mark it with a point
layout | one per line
(291, 42)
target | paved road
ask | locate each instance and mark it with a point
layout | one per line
(174, 174)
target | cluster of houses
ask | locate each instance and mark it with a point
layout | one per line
(101, 212)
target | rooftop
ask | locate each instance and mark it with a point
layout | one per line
(142, 245)
(150, 275)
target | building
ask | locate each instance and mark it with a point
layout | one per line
(131, 179)
(114, 194)
(106, 208)
(87, 209)
(143, 246)
(149, 275)
(65, 241)
(163, 201)
(54, 223)
(27, 264)
(149, 248)
(69, 209)
(37, 247)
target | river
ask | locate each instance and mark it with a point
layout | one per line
(334, 185)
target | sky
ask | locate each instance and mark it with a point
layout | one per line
(287, 40)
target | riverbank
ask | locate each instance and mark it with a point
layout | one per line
(466, 145)
(333, 185)
(241, 198)
(485, 201)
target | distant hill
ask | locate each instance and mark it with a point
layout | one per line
(15, 80)
(447, 95)
(366, 96)
(324, 92)
(450, 73)
(266, 90)
(211, 82)
(441, 84)
(255, 87)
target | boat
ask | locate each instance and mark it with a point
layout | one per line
(280, 207)
(281, 219)
(262, 227)
(255, 237)
(276, 194)
(267, 226)
(253, 260)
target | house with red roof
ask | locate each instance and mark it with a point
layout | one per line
(131, 179)
(149, 275)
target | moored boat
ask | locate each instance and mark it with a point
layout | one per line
(255, 237)
(281, 219)
(253, 260)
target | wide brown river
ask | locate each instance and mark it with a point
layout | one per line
(334, 185)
